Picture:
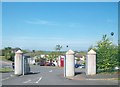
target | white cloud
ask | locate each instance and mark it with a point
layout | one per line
(54, 23)
(41, 22)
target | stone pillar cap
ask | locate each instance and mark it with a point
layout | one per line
(91, 52)
(70, 52)
(19, 51)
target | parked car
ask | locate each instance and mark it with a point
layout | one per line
(52, 64)
(46, 64)
(42, 63)
(81, 66)
(49, 64)
(77, 65)
(37, 63)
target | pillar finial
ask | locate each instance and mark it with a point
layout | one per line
(91, 52)
(19, 52)
(70, 52)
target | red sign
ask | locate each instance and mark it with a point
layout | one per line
(62, 62)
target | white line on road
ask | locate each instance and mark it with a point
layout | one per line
(11, 75)
(39, 79)
(27, 81)
(50, 71)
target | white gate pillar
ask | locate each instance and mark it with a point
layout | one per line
(18, 62)
(91, 63)
(69, 64)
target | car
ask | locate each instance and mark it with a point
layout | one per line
(52, 64)
(42, 63)
(49, 64)
(37, 63)
(77, 65)
(46, 64)
(81, 66)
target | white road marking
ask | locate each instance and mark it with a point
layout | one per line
(30, 81)
(11, 75)
(39, 79)
(50, 71)
(27, 81)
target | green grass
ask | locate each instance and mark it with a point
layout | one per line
(3, 58)
(4, 70)
(108, 72)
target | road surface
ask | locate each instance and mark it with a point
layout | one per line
(50, 76)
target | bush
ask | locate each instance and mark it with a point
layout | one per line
(107, 55)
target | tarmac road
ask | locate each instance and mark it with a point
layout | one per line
(51, 76)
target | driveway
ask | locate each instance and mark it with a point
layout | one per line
(51, 76)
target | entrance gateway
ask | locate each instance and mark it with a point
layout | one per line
(69, 63)
(22, 66)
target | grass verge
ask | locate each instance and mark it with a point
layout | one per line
(5, 70)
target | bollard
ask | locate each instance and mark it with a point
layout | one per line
(91, 63)
(69, 64)
(18, 62)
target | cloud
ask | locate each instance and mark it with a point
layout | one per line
(41, 22)
(54, 23)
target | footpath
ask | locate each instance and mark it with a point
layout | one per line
(81, 75)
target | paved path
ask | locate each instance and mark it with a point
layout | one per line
(80, 75)
(51, 76)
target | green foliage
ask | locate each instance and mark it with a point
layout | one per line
(78, 59)
(52, 56)
(58, 47)
(24, 51)
(107, 55)
(82, 53)
(4, 70)
(7, 52)
(84, 62)
(119, 54)
(37, 60)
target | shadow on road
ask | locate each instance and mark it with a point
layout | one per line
(31, 73)
(79, 73)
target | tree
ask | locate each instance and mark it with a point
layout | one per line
(8, 53)
(52, 56)
(119, 54)
(107, 54)
(58, 47)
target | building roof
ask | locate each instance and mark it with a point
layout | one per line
(78, 55)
